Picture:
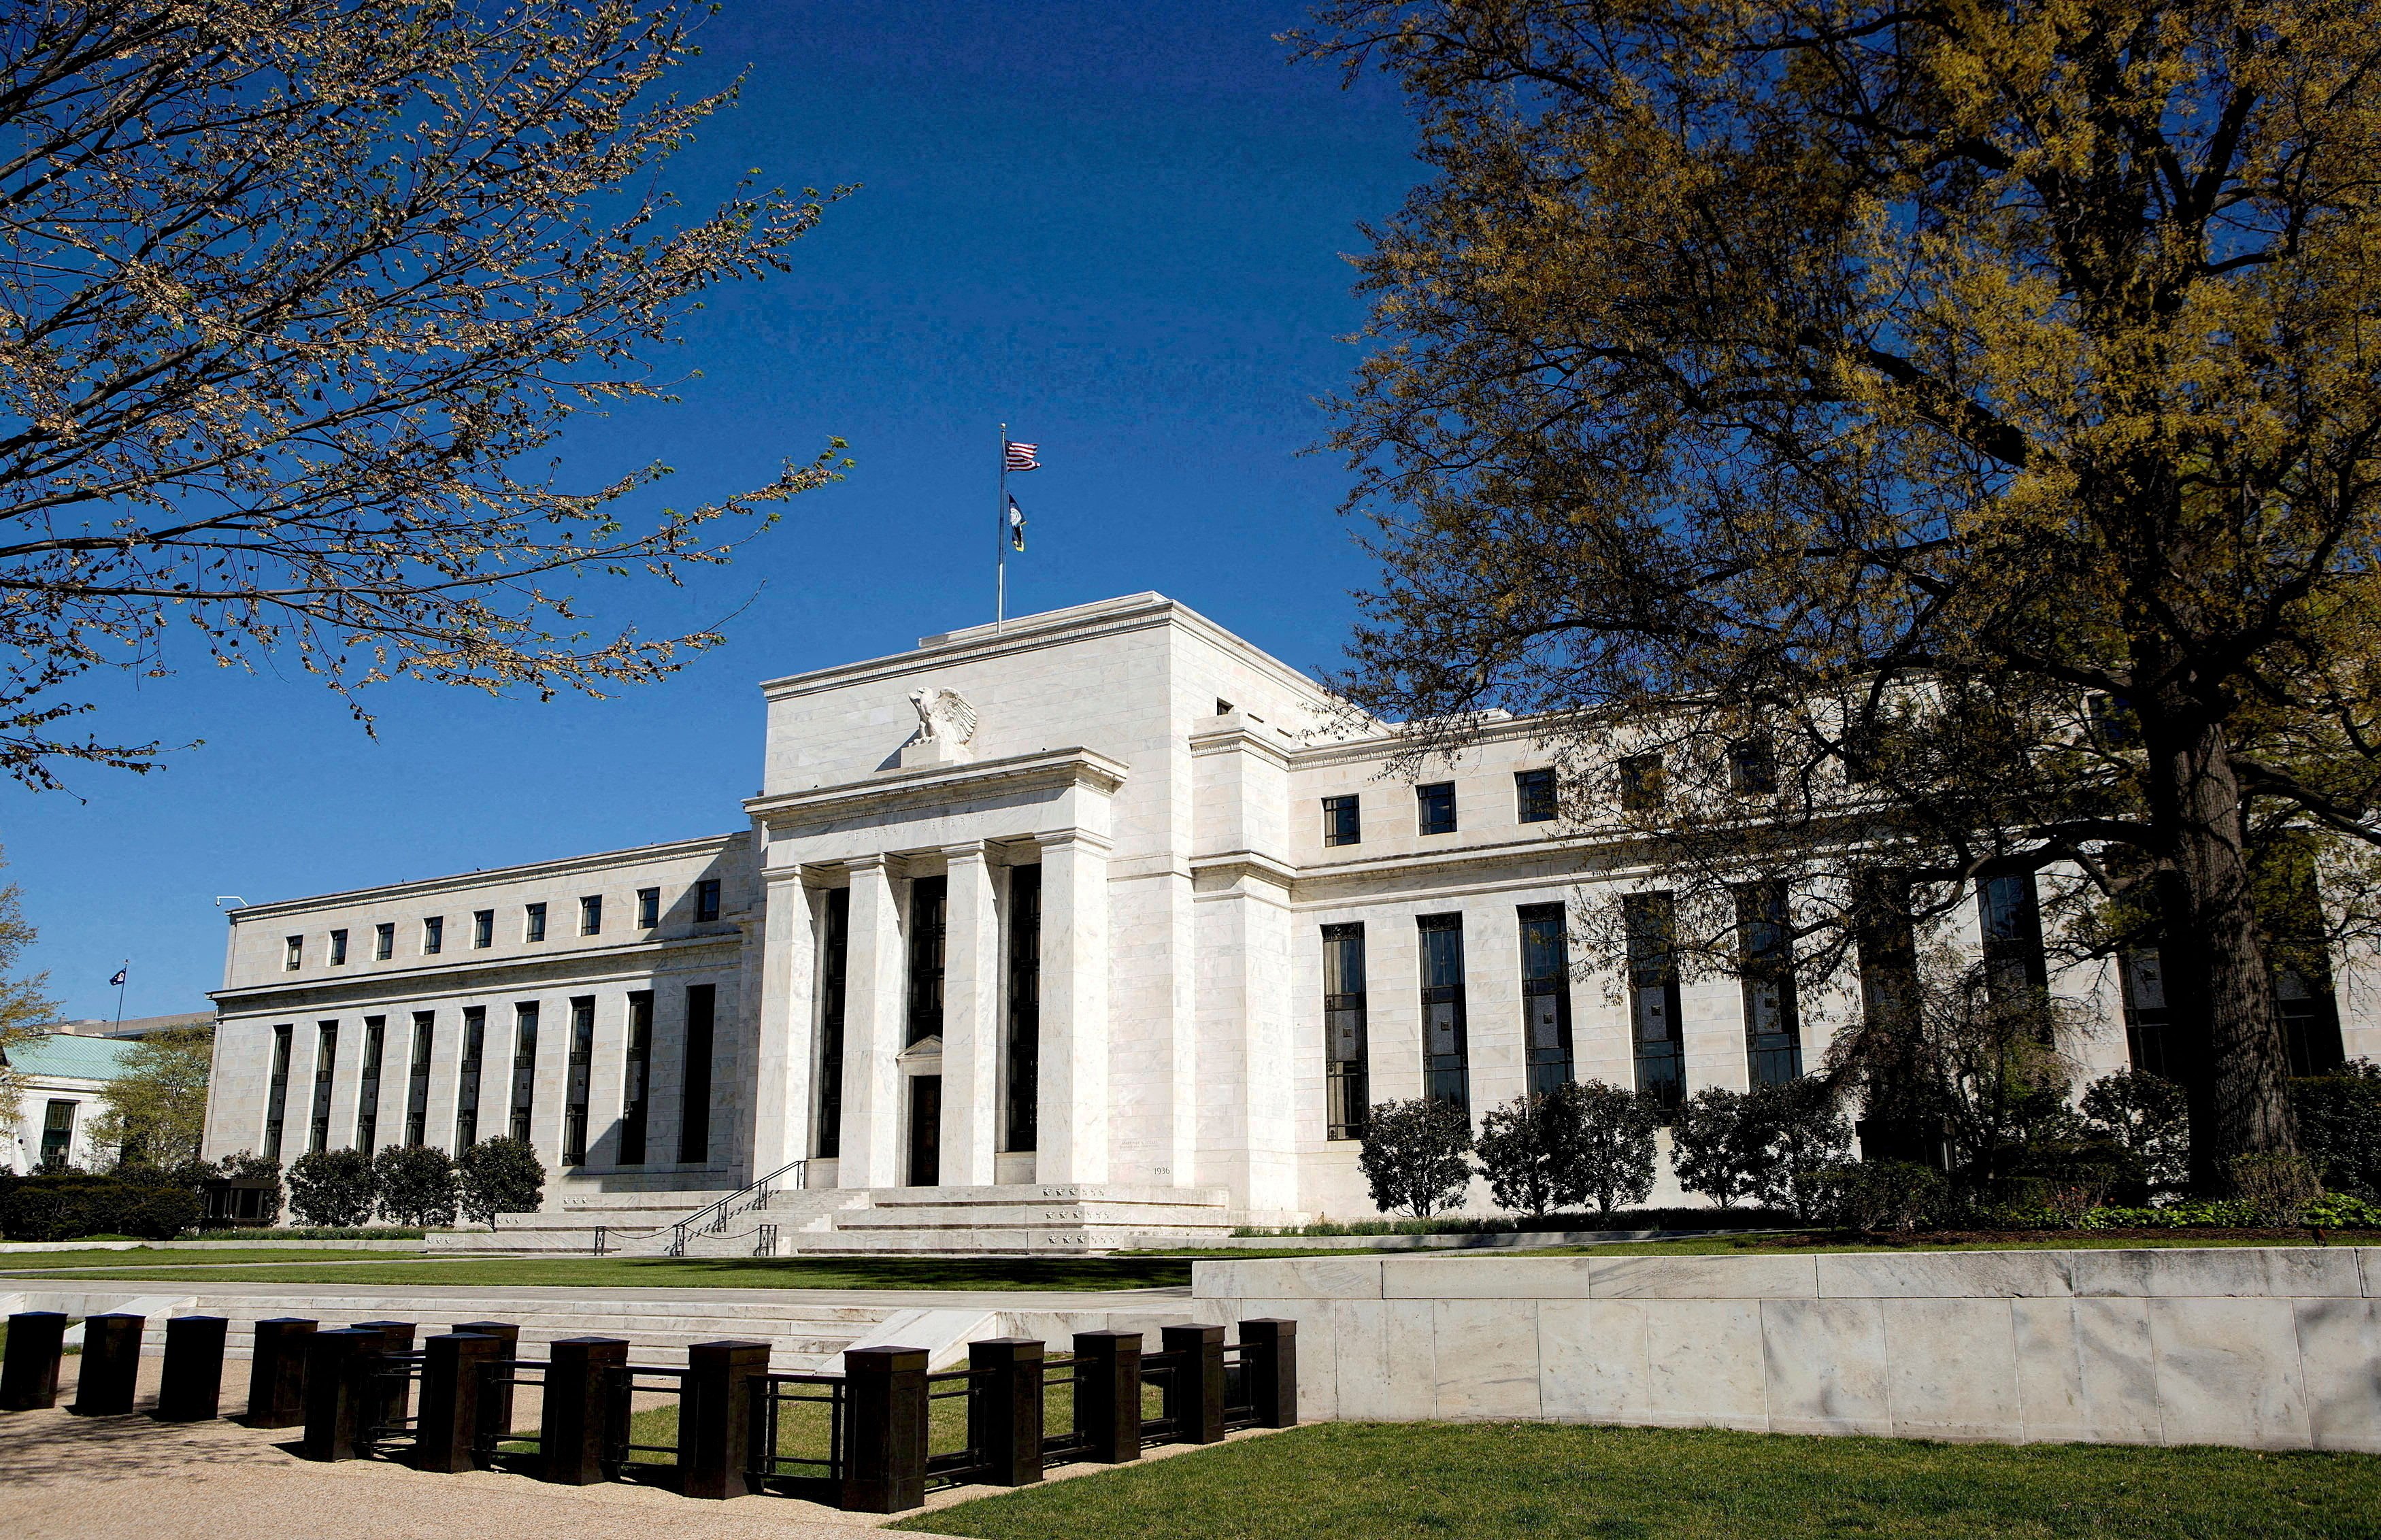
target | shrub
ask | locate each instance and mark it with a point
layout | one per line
(1413, 1156)
(416, 1183)
(71, 1206)
(1709, 1149)
(1615, 1159)
(1884, 1195)
(1521, 1151)
(2339, 1124)
(2145, 1115)
(2277, 1188)
(1797, 1136)
(500, 1175)
(332, 1188)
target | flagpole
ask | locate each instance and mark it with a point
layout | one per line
(1000, 542)
(123, 972)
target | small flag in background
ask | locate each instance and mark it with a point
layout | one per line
(1020, 457)
(1016, 526)
(119, 977)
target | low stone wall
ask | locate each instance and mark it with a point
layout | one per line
(2265, 1346)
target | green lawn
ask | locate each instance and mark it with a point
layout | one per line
(614, 1272)
(1356, 1480)
(156, 1256)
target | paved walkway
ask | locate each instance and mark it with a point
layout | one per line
(1064, 1299)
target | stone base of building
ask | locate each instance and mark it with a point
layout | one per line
(1021, 1219)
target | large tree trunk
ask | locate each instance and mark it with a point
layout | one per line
(2219, 990)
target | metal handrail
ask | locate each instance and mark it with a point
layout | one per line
(714, 1217)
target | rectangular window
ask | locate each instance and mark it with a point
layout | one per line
(433, 936)
(1534, 796)
(1753, 768)
(338, 948)
(929, 905)
(706, 901)
(368, 1084)
(1024, 1123)
(1343, 821)
(2140, 974)
(1546, 994)
(1434, 807)
(417, 1079)
(591, 914)
(327, 1060)
(467, 1080)
(483, 927)
(575, 1078)
(293, 953)
(636, 1080)
(524, 1068)
(383, 942)
(1650, 922)
(58, 1132)
(2011, 914)
(1773, 1024)
(694, 1118)
(276, 1091)
(1445, 1040)
(649, 908)
(1643, 785)
(1346, 1089)
(534, 922)
(835, 955)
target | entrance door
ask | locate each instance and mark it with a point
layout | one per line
(925, 1131)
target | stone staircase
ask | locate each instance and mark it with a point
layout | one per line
(1024, 1219)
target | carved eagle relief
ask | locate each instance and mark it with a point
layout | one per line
(944, 716)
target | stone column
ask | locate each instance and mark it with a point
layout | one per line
(1073, 1111)
(871, 1032)
(784, 1051)
(972, 980)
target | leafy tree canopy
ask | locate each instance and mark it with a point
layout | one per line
(155, 1112)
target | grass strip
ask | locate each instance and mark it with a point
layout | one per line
(1355, 1481)
(614, 1272)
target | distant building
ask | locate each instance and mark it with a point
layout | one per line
(133, 1028)
(64, 1074)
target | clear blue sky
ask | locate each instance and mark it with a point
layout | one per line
(1117, 227)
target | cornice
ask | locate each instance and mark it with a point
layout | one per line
(1225, 741)
(1232, 865)
(891, 789)
(461, 881)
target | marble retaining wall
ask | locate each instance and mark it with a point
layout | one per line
(2265, 1346)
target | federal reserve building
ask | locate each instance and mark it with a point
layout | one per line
(1101, 924)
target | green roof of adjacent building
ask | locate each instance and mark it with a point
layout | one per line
(68, 1056)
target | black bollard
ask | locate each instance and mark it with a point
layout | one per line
(392, 1401)
(1005, 1413)
(884, 1454)
(1194, 1393)
(111, 1365)
(277, 1373)
(338, 1364)
(453, 1389)
(496, 1392)
(190, 1389)
(714, 1418)
(578, 1410)
(29, 1379)
(1107, 1395)
(1271, 1365)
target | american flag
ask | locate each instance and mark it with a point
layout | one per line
(1020, 457)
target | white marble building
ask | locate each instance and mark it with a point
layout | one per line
(1051, 907)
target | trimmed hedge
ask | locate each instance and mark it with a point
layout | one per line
(71, 1207)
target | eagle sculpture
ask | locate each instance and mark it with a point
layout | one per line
(944, 716)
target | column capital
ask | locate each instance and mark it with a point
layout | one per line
(877, 862)
(1050, 840)
(967, 849)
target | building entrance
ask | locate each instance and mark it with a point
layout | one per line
(925, 1130)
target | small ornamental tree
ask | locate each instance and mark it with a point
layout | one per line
(332, 1188)
(501, 1175)
(416, 1184)
(1413, 1156)
(1798, 1136)
(1710, 1151)
(2148, 1118)
(2339, 1118)
(1613, 1162)
(1529, 1148)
